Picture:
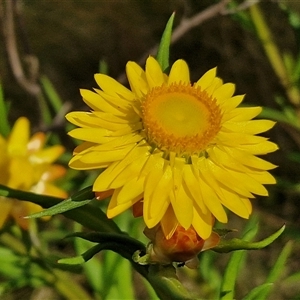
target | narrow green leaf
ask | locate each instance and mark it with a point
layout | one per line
(233, 267)
(293, 278)
(164, 46)
(51, 94)
(90, 215)
(226, 246)
(86, 256)
(254, 294)
(59, 208)
(4, 125)
(277, 269)
(79, 199)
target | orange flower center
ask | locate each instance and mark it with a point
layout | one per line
(180, 118)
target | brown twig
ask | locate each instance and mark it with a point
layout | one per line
(13, 54)
(185, 25)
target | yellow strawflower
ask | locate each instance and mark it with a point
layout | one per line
(25, 165)
(184, 151)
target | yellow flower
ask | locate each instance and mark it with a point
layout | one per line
(186, 150)
(25, 165)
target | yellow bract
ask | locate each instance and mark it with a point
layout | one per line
(183, 152)
(25, 165)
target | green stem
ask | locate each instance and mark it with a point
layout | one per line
(273, 54)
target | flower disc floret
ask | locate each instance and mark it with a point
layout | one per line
(178, 153)
(180, 118)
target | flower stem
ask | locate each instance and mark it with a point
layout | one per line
(274, 54)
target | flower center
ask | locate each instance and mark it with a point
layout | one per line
(180, 118)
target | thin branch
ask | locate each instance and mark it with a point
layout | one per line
(12, 51)
(186, 25)
(243, 6)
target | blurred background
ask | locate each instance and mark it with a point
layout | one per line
(69, 41)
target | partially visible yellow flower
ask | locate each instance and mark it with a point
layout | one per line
(25, 165)
(184, 151)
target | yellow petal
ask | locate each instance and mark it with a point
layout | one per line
(112, 87)
(161, 192)
(117, 101)
(21, 174)
(222, 159)
(183, 207)
(86, 120)
(202, 223)
(193, 185)
(154, 73)
(169, 223)
(232, 102)
(155, 219)
(242, 114)
(216, 83)
(94, 135)
(104, 180)
(137, 79)
(96, 102)
(83, 147)
(206, 80)
(249, 127)
(48, 155)
(115, 209)
(179, 72)
(151, 181)
(234, 140)
(130, 172)
(233, 202)
(130, 190)
(224, 92)
(76, 164)
(213, 203)
(249, 159)
(19, 137)
(177, 168)
(263, 177)
(260, 148)
(225, 177)
(249, 183)
(100, 157)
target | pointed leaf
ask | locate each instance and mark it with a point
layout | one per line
(77, 200)
(164, 46)
(226, 246)
(254, 294)
(233, 267)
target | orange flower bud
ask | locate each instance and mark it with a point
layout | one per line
(183, 246)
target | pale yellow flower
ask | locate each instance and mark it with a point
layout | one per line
(25, 165)
(186, 150)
